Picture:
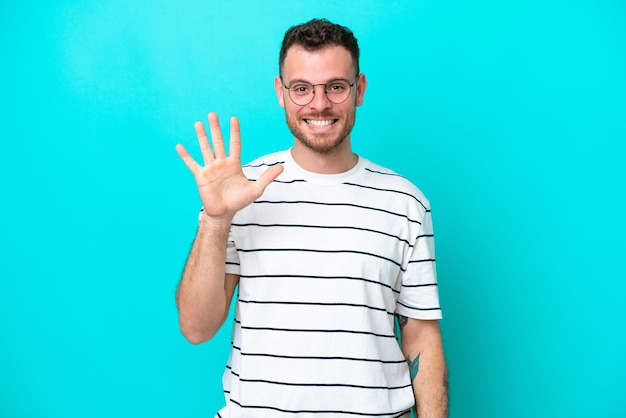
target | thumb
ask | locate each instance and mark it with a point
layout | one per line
(267, 177)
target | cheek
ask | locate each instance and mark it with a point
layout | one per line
(348, 107)
(291, 109)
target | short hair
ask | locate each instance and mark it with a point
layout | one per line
(318, 34)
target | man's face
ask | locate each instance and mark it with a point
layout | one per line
(321, 126)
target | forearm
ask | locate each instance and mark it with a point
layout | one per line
(202, 297)
(423, 349)
(204, 293)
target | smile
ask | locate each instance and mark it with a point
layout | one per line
(318, 122)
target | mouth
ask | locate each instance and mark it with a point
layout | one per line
(320, 123)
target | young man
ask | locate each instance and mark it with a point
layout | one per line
(326, 248)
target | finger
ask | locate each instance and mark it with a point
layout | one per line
(235, 138)
(267, 177)
(203, 141)
(216, 136)
(191, 164)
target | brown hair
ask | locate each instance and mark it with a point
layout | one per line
(317, 34)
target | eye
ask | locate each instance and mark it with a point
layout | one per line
(301, 89)
(337, 87)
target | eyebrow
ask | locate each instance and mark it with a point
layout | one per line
(299, 80)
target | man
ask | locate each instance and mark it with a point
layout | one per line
(326, 247)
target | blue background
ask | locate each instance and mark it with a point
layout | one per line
(509, 115)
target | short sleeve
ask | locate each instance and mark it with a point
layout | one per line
(419, 295)
(232, 258)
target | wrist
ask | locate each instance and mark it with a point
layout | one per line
(215, 223)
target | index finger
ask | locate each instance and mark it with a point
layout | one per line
(191, 164)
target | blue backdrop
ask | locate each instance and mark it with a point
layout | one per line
(509, 115)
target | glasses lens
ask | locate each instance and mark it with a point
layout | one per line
(301, 93)
(338, 91)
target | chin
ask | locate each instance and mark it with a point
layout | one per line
(321, 142)
(321, 145)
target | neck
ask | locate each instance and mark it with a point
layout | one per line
(336, 161)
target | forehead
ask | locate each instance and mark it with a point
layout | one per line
(318, 66)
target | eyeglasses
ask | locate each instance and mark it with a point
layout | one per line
(302, 92)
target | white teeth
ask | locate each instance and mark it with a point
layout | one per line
(319, 122)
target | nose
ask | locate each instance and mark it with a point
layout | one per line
(320, 102)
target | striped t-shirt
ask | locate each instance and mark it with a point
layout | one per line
(325, 261)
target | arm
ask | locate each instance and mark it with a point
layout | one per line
(423, 349)
(205, 291)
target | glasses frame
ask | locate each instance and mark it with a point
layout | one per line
(319, 84)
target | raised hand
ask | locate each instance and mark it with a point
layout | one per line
(222, 185)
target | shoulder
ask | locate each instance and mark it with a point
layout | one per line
(379, 177)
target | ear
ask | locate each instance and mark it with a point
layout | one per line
(278, 86)
(360, 89)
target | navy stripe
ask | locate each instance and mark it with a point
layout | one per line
(299, 276)
(327, 227)
(354, 305)
(290, 181)
(331, 385)
(272, 408)
(385, 174)
(319, 358)
(420, 285)
(422, 261)
(264, 164)
(283, 181)
(277, 202)
(388, 190)
(325, 331)
(419, 309)
(255, 250)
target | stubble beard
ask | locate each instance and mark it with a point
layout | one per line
(321, 143)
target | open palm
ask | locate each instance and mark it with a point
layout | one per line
(222, 185)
